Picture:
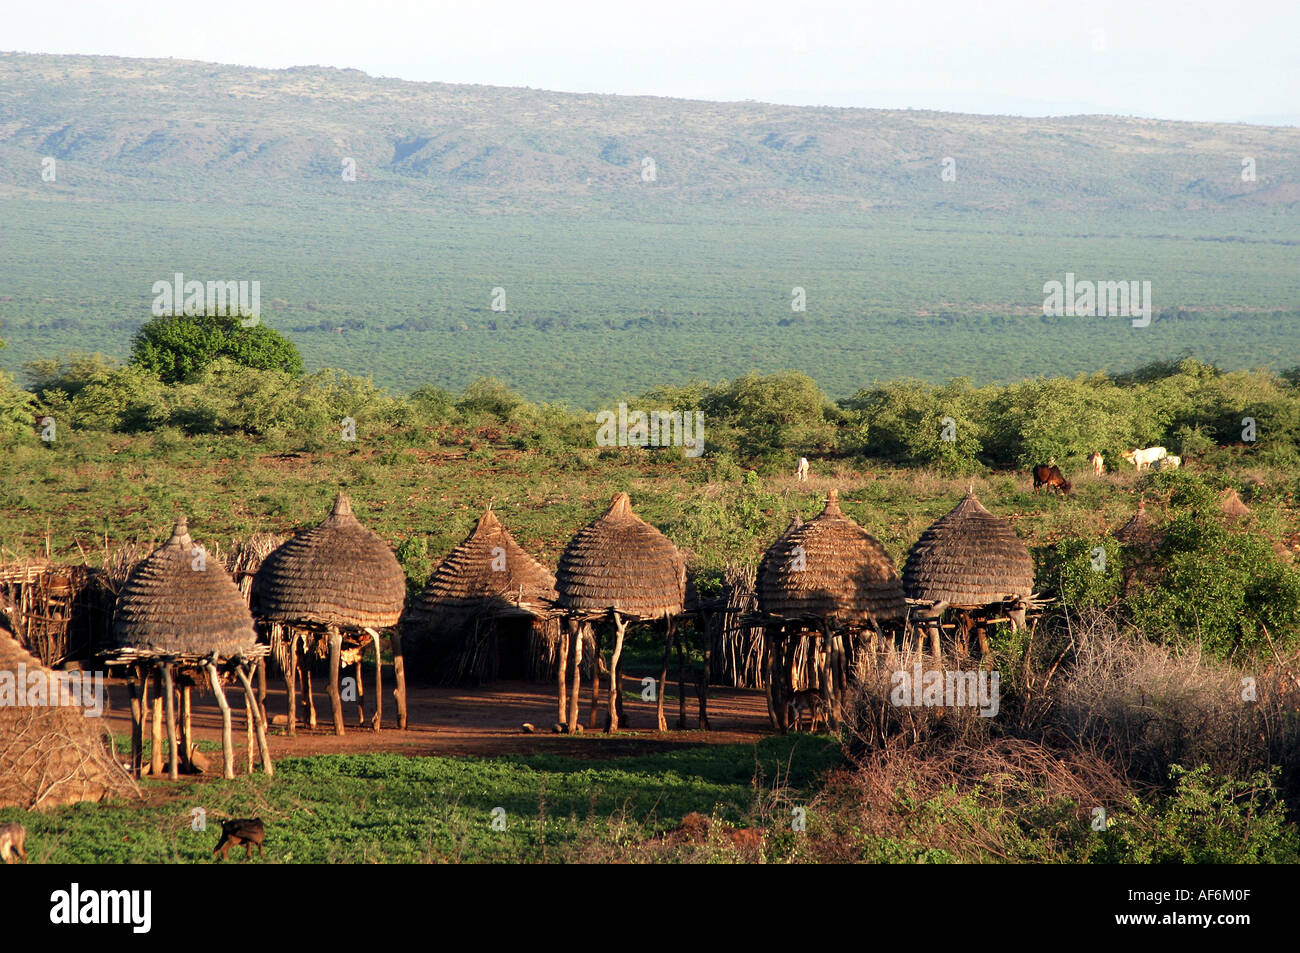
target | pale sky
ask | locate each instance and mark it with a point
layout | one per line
(1190, 60)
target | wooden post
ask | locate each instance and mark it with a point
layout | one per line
(139, 684)
(308, 697)
(399, 675)
(663, 678)
(169, 696)
(155, 737)
(261, 685)
(249, 740)
(258, 723)
(769, 667)
(575, 676)
(187, 730)
(336, 700)
(562, 674)
(377, 723)
(291, 681)
(595, 679)
(227, 744)
(620, 629)
(361, 691)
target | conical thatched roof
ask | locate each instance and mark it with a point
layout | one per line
(487, 574)
(1231, 505)
(50, 755)
(830, 568)
(337, 573)
(180, 601)
(1138, 531)
(620, 561)
(968, 558)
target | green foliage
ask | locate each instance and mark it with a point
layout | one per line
(177, 346)
(1208, 820)
(489, 396)
(68, 374)
(130, 399)
(1081, 576)
(17, 409)
(769, 414)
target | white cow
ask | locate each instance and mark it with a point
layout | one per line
(1169, 462)
(801, 471)
(1144, 458)
(1098, 463)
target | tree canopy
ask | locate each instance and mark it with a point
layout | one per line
(177, 346)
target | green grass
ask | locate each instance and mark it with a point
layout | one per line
(397, 809)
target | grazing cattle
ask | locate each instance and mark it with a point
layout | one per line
(1098, 463)
(13, 838)
(1144, 458)
(1169, 462)
(806, 703)
(1050, 476)
(801, 471)
(243, 830)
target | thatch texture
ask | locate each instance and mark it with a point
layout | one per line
(832, 569)
(739, 646)
(448, 629)
(1231, 505)
(620, 562)
(51, 755)
(969, 558)
(178, 601)
(338, 573)
(1139, 531)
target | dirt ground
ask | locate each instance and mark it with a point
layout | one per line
(485, 721)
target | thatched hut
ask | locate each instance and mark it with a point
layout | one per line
(181, 613)
(487, 612)
(825, 580)
(1140, 539)
(335, 583)
(971, 561)
(621, 568)
(1231, 505)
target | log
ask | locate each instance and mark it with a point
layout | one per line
(155, 738)
(563, 674)
(227, 744)
(377, 723)
(336, 700)
(399, 675)
(187, 731)
(615, 688)
(138, 688)
(169, 694)
(575, 677)
(258, 723)
(595, 681)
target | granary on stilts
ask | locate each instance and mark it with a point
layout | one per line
(825, 587)
(620, 568)
(181, 623)
(973, 563)
(50, 753)
(332, 588)
(487, 612)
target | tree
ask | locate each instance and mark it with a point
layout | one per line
(177, 346)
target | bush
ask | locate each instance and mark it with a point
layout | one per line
(176, 347)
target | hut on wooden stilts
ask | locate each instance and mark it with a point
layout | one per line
(487, 612)
(181, 619)
(332, 588)
(972, 562)
(620, 568)
(822, 586)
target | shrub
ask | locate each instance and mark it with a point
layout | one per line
(177, 346)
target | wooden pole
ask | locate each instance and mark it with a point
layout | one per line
(399, 674)
(662, 722)
(258, 723)
(155, 736)
(227, 744)
(139, 684)
(291, 681)
(169, 695)
(769, 668)
(187, 730)
(261, 685)
(378, 722)
(336, 700)
(361, 692)
(595, 680)
(562, 673)
(575, 677)
(249, 740)
(620, 629)
(308, 696)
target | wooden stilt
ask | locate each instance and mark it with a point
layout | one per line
(623, 720)
(250, 742)
(155, 737)
(361, 693)
(227, 743)
(139, 687)
(661, 687)
(169, 699)
(575, 677)
(829, 694)
(377, 722)
(562, 673)
(336, 700)
(291, 682)
(308, 697)
(769, 683)
(187, 731)
(399, 676)
(615, 688)
(261, 685)
(259, 725)
(595, 682)
(935, 648)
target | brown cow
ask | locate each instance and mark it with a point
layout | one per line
(243, 830)
(1050, 476)
(13, 839)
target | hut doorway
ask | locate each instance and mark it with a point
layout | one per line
(512, 643)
